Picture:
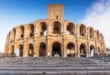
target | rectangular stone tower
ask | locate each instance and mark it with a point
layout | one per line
(56, 11)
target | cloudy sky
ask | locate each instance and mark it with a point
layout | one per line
(94, 13)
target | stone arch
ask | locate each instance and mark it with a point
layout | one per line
(92, 50)
(83, 52)
(42, 49)
(91, 32)
(31, 30)
(56, 49)
(21, 47)
(56, 27)
(43, 28)
(82, 30)
(70, 28)
(22, 31)
(71, 49)
(31, 50)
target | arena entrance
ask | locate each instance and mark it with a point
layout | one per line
(56, 49)
(21, 51)
(92, 51)
(83, 50)
(31, 50)
(42, 50)
(70, 50)
(12, 50)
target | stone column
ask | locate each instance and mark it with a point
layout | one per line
(65, 50)
(88, 50)
(10, 50)
(36, 48)
(26, 48)
(49, 48)
(78, 50)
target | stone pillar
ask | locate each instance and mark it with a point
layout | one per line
(10, 50)
(78, 50)
(77, 41)
(88, 50)
(65, 50)
(36, 47)
(16, 48)
(26, 48)
(49, 48)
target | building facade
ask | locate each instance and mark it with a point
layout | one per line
(55, 36)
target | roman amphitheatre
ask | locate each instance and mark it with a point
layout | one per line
(54, 46)
(55, 36)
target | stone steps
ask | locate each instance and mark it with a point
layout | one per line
(55, 73)
(53, 66)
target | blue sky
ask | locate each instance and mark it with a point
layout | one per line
(17, 12)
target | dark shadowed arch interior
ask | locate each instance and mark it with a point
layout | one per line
(22, 31)
(70, 50)
(56, 49)
(57, 27)
(82, 30)
(43, 28)
(71, 28)
(32, 30)
(21, 50)
(12, 50)
(83, 50)
(91, 31)
(42, 49)
(31, 50)
(92, 51)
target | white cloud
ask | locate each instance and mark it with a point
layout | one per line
(98, 16)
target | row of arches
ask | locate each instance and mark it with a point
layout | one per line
(57, 29)
(56, 50)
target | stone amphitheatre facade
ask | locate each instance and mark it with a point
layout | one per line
(55, 36)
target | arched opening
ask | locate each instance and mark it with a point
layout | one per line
(31, 50)
(12, 50)
(70, 28)
(31, 30)
(91, 31)
(22, 31)
(82, 30)
(42, 49)
(56, 27)
(56, 49)
(21, 50)
(70, 50)
(83, 50)
(92, 51)
(43, 29)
